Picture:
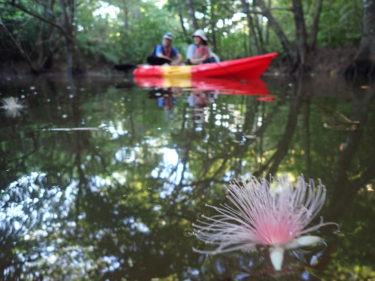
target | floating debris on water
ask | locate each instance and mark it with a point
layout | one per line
(12, 106)
(74, 129)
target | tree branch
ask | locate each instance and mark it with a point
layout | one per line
(35, 15)
(18, 46)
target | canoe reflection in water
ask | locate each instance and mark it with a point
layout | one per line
(202, 92)
(253, 86)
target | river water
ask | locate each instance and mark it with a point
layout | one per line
(102, 179)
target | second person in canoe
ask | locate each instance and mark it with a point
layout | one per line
(200, 52)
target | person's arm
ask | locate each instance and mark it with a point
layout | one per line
(201, 59)
(178, 56)
(178, 60)
(190, 52)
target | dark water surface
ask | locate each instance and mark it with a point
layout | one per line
(102, 180)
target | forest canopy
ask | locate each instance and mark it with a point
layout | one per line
(81, 34)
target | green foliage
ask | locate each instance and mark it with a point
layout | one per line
(23, 27)
(130, 33)
(105, 37)
(341, 23)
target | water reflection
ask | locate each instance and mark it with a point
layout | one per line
(118, 202)
(254, 86)
(201, 92)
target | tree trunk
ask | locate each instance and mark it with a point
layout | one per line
(180, 16)
(367, 46)
(259, 30)
(69, 53)
(39, 45)
(363, 66)
(213, 28)
(213, 36)
(191, 10)
(267, 39)
(315, 26)
(253, 40)
(278, 30)
(67, 8)
(300, 26)
(126, 18)
(46, 44)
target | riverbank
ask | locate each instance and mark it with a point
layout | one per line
(326, 61)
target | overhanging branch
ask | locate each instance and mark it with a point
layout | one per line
(35, 15)
(17, 45)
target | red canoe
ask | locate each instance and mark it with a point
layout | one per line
(240, 68)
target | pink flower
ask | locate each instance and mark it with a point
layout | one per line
(274, 214)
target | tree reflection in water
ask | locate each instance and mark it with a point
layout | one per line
(117, 204)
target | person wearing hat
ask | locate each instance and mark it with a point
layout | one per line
(199, 52)
(165, 52)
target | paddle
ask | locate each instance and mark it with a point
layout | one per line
(127, 67)
(152, 60)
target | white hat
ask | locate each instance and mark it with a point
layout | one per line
(200, 33)
(168, 35)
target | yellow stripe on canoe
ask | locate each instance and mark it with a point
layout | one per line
(177, 70)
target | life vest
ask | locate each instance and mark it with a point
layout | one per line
(167, 51)
(201, 50)
(197, 51)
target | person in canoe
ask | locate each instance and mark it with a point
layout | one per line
(200, 52)
(165, 53)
